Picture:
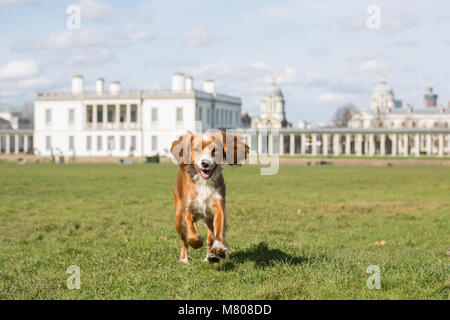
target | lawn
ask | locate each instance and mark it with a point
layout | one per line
(305, 233)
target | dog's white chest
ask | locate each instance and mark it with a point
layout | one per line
(206, 192)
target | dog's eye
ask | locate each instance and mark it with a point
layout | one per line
(213, 151)
(196, 150)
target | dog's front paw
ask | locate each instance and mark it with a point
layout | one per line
(218, 251)
(196, 242)
(211, 259)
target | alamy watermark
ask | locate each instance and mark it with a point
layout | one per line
(374, 281)
(73, 21)
(74, 281)
(373, 22)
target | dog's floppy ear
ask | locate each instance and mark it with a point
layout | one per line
(181, 149)
(235, 149)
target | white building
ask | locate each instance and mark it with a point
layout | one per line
(273, 114)
(127, 123)
(386, 112)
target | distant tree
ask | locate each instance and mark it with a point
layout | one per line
(343, 115)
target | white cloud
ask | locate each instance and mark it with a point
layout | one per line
(15, 2)
(320, 52)
(405, 43)
(86, 46)
(373, 65)
(19, 69)
(198, 36)
(331, 97)
(36, 83)
(95, 10)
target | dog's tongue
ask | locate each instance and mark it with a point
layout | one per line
(205, 175)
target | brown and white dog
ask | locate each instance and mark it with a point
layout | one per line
(200, 189)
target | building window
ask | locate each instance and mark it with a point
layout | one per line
(122, 143)
(71, 143)
(99, 143)
(100, 114)
(89, 114)
(48, 143)
(110, 113)
(200, 114)
(154, 115)
(110, 143)
(133, 113)
(179, 115)
(154, 143)
(133, 143)
(208, 116)
(88, 143)
(123, 113)
(48, 116)
(72, 116)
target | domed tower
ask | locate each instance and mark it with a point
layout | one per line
(383, 96)
(272, 107)
(430, 98)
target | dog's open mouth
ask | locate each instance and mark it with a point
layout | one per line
(206, 173)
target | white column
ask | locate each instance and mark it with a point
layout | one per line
(269, 143)
(394, 144)
(105, 114)
(117, 119)
(441, 145)
(94, 116)
(358, 144)
(16, 144)
(128, 116)
(25, 143)
(406, 144)
(303, 145)
(429, 148)
(366, 144)
(281, 151)
(325, 144)
(292, 144)
(7, 144)
(336, 146)
(417, 145)
(371, 144)
(382, 144)
(314, 144)
(348, 144)
(259, 143)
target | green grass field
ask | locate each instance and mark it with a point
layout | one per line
(305, 233)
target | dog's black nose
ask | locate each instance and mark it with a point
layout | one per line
(205, 163)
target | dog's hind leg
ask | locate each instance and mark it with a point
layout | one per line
(181, 230)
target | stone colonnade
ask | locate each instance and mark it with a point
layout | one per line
(16, 141)
(351, 142)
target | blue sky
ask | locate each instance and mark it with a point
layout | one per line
(321, 51)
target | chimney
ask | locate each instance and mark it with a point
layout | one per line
(77, 84)
(178, 82)
(209, 86)
(114, 87)
(189, 84)
(99, 86)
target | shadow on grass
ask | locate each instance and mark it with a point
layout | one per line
(263, 257)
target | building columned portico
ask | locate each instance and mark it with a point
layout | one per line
(16, 141)
(346, 141)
